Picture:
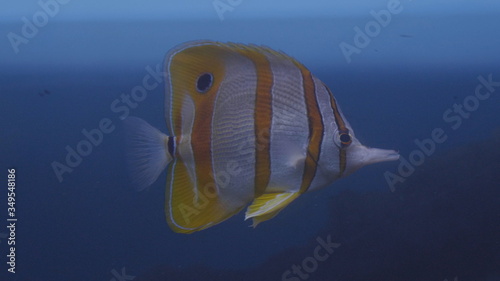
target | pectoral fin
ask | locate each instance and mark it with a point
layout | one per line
(268, 205)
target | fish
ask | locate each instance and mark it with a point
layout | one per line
(248, 126)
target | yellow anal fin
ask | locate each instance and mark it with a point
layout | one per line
(267, 206)
(191, 206)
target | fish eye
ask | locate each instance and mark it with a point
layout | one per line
(204, 82)
(345, 139)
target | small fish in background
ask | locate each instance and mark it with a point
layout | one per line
(248, 125)
(43, 93)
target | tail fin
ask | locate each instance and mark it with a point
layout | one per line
(147, 152)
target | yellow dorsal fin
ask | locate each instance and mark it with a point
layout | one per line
(268, 205)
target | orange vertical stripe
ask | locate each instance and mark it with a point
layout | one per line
(201, 140)
(338, 118)
(263, 118)
(316, 129)
(342, 130)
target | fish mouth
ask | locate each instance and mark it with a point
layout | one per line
(377, 155)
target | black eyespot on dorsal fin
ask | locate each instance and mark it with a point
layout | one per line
(204, 82)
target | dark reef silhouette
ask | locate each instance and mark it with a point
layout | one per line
(442, 223)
